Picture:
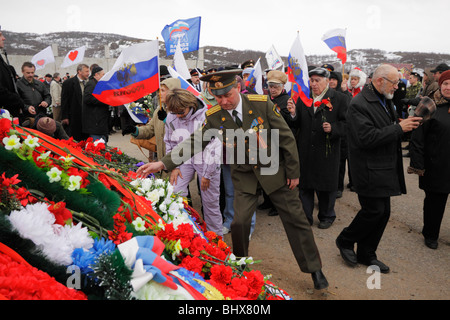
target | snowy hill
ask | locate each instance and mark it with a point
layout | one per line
(366, 59)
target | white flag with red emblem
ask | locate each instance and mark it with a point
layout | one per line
(41, 59)
(74, 57)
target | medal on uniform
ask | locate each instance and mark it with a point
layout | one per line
(276, 110)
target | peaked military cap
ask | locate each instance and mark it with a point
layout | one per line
(222, 81)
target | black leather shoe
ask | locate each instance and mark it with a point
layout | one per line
(320, 282)
(348, 255)
(377, 263)
(324, 224)
(432, 244)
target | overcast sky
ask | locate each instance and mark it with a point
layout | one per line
(400, 25)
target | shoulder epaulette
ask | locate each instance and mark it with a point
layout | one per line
(257, 97)
(213, 110)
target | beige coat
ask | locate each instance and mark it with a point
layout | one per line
(154, 128)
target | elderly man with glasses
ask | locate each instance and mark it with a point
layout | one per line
(375, 158)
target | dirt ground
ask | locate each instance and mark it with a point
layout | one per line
(417, 272)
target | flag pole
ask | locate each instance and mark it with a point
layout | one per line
(159, 79)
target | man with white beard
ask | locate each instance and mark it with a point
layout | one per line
(375, 158)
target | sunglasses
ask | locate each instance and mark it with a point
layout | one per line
(179, 113)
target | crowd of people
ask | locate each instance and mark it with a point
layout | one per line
(355, 121)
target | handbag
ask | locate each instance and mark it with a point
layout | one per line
(149, 144)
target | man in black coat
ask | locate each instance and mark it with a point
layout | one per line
(375, 158)
(335, 83)
(95, 113)
(33, 92)
(9, 97)
(72, 102)
(320, 128)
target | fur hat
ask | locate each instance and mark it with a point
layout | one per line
(444, 76)
(172, 83)
(357, 72)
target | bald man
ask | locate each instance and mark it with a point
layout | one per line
(375, 159)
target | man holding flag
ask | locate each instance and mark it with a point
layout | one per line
(320, 128)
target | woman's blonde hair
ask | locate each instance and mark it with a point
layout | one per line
(177, 100)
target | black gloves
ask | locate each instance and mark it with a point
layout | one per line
(162, 114)
(128, 130)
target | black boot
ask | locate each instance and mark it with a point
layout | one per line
(320, 282)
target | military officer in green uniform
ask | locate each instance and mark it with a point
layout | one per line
(262, 153)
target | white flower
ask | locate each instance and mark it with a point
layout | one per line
(139, 224)
(159, 182)
(67, 158)
(169, 190)
(12, 142)
(153, 196)
(44, 155)
(146, 184)
(32, 142)
(161, 224)
(136, 183)
(162, 192)
(74, 183)
(54, 174)
(174, 209)
(37, 223)
(163, 207)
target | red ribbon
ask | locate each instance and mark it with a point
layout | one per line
(63, 149)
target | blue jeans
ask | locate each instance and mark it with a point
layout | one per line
(228, 212)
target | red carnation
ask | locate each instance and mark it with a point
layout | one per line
(62, 215)
(221, 273)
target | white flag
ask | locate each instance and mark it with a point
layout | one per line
(254, 80)
(41, 59)
(179, 63)
(74, 57)
(273, 59)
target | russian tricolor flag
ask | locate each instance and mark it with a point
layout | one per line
(134, 75)
(187, 86)
(335, 40)
(298, 73)
(184, 84)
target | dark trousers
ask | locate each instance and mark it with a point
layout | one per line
(289, 208)
(342, 165)
(433, 212)
(367, 227)
(326, 201)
